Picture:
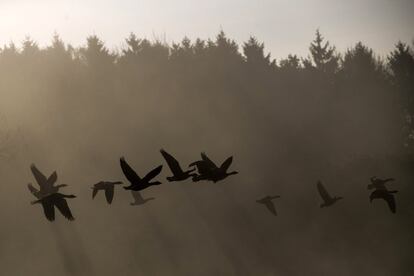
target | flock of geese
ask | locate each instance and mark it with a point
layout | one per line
(49, 197)
(380, 191)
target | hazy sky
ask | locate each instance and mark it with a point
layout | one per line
(286, 26)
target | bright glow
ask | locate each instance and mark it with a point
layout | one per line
(284, 26)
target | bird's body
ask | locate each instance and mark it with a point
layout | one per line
(327, 199)
(385, 195)
(108, 187)
(137, 183)
(207, 170)
(377, 183)
(47, 185)
(204, 171)
(267, 201)
(138, 199)
(57, 200)
(178, 173)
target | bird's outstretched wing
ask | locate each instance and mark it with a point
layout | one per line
(152, 174)
(207, 161)
(374, 195)
(48, 210)
(33, 190)
(94, 192)
(130, 174)
(389, 198)
(172, 163)
(226, 164)
(52, 179)
(64, 209)
(40, 177)
(109, 194)
(323, 192)
(271, 207)
(137, 196)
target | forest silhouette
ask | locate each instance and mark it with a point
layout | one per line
(324, 96)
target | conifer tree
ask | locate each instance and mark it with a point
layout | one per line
(324, 55)
(253, 51)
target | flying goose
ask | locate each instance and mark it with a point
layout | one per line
(47, 185)
(267, 201)
(108, 187)
(57, 200)
(137, 183)
(209, 171)
(327, 199)
(178, 173)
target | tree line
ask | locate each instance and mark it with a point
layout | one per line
(324, 97)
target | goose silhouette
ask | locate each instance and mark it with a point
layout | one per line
(209, 171)
(327, 199)
(106, 186)
(178, 173)
(137, 183)
(47, 185)
(57, 200)
(267, 201)
(138, 199)
(385, 195)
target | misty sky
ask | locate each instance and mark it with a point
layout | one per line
(285, 26)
